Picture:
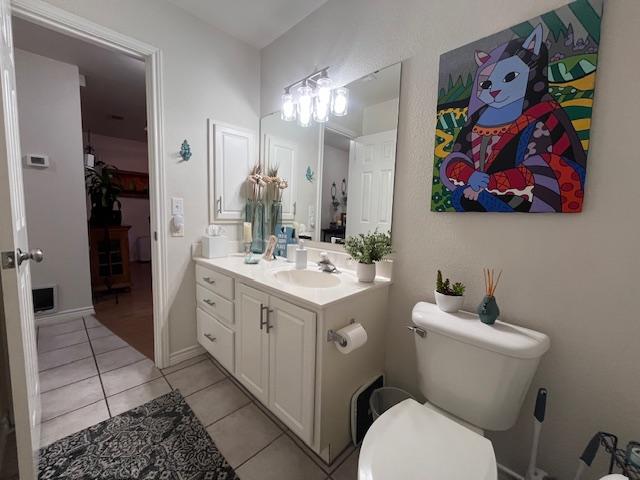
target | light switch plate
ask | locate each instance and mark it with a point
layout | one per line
(177, 206)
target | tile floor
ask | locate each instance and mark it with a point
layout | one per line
(88, 375)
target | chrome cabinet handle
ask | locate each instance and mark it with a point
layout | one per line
(295, 208)
(210, 337)
(417, 330)
(220, 204)
(209, 302)
(264, 322)
(209, 280)
(269, 312)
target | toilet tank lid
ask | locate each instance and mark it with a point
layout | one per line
(501, 337)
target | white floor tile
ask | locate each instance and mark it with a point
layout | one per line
(98, 332)
(62, 356)
(216, 401)
(242, 434)
(60, 328)
(91, 321)
(132, 375)
(70, 397)
(282, 460)
(349, 469)
(195, 377)
(137, 396)
(106, 344)
(66, 374)
(118, 358)
(47, 344)
(73, 422)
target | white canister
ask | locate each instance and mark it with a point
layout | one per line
(291, 252)
(214, 247)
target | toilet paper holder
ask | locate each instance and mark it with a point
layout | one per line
(334, 336)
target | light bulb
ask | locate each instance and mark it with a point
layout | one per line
(323, 90)
(305, 105)
(288, 112)
(340, 102)
(320, 110)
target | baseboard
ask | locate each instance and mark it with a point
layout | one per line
(64, 316)
(185, 354)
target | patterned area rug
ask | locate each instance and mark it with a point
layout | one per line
(160, 440)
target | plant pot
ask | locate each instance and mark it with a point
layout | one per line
(488, 310)
(366, 272)
(449, 303)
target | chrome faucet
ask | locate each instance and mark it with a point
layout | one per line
(327, 265)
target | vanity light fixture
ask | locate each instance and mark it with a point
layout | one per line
(314, 99)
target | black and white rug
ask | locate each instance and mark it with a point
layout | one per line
(160, 440)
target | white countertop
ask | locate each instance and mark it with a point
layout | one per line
(262, 277)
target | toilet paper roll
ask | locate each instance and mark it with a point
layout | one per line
(355, 336)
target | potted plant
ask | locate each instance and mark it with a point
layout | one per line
(366, 250)
(103, 189)
(449, 297)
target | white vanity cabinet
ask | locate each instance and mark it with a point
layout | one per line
(273, 340)
(275, 356)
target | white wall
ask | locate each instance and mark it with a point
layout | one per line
(50, 123)
(206, 74)
(380, 117)
(132, 156)
(335, 167)
(572, 276)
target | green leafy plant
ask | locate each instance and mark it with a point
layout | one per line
(446, 288)
(369, 248)
(103, 189)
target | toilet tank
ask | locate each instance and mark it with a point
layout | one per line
(479, 373)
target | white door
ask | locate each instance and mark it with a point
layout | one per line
(233, 152)
(252, 344)
(16, 278)
(292, 365)
(372, 160)
(283, 154)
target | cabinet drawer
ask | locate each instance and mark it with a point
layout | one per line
(215, 281)
(214, 304)
(216, 339)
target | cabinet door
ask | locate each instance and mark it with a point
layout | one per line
(283, 154)
(233, 153)
(252, 345)
(292, 361)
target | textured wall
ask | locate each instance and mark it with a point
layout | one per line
(571, 276)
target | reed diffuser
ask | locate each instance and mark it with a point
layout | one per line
(488, 310)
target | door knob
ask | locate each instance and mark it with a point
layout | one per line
(36, 255)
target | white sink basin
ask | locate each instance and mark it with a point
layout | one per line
(308, 278)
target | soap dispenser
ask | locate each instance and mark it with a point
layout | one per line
(301, 256)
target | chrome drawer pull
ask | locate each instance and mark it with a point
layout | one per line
(209, 302)
(210, 337)
(209, 280)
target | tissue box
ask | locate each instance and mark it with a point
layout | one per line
(214, 247)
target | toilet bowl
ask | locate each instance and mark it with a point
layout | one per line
(412, 441)
(475, 377)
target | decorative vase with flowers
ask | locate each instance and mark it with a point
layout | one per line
(254, 210)
(449, 297)
(366, 250)
(275, 190)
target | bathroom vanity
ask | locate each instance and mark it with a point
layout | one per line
(267, 324)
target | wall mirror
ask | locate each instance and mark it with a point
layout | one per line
(340, 173)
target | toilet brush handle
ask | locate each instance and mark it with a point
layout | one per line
(541, 405)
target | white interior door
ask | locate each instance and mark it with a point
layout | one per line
(372, 160)
(283, 154)
(16, 277)
(233, 155)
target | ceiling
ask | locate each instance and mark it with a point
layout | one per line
(115, 82)
(257, 23)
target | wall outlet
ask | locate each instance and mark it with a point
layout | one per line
(177, 206)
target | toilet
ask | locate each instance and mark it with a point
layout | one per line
(475, 378)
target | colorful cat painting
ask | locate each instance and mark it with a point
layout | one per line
(517, 142)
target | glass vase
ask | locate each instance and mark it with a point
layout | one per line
(254, 214)
(275, 217)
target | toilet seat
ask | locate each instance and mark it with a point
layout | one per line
(412, 442)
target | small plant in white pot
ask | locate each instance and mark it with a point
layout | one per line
(366, 250)
(449, 298)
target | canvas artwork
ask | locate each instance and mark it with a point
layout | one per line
(514, 115)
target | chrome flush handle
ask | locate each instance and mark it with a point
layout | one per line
(417, 330)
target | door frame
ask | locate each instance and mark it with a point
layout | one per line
(62, 21)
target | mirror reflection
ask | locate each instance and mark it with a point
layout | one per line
(340, 173)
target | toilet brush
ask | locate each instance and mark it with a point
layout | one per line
(533, 472)
(586, 459)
